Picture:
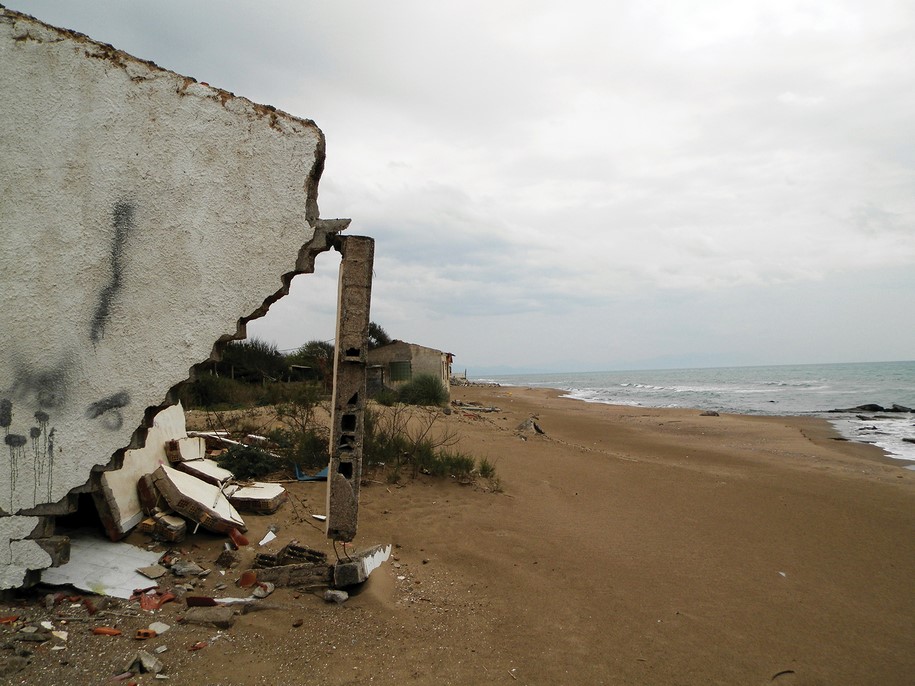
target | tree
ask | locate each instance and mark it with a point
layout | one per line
(318, 355)
(253, 361)
(377, 336)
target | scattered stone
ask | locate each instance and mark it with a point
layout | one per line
(263, 589)
(145, 662)
(305, 574)
(332, 595)
(159, 627)
(297, 623)
(153, 571)
(357, 569)
(221, 617)
(12, 665)
(186, 568)
(227, 559)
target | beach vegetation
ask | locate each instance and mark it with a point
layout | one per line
(404, 441)
(292, 432)
(377, 336)
(249, 462)
(487, 469)
(423, 389)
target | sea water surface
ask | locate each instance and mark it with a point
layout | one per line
(810, 389)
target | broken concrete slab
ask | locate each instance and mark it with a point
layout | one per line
(206, 470)
(357, 568)
(263, 498)
(116, 495)
(220, 616)
(197, 500)
(302, 574)
(186, 449)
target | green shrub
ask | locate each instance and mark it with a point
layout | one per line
(486, 469)
(385, 396)
(424, 389)
(249, 462)
(209, 391)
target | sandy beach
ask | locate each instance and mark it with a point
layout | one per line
(628, 546)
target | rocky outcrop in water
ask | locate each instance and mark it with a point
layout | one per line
(873, 407)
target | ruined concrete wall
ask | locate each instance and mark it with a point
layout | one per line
(144, 217)
(422, 360)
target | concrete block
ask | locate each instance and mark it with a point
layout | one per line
(220, 617)
(348, 402)
(303, 574)
(357, 569)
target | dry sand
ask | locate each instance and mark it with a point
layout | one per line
(629, 546)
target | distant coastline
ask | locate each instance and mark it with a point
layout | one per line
(784, 390)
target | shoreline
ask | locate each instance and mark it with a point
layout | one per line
(816, 423)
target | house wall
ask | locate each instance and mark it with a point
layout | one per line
(422, 360)
(145, 217)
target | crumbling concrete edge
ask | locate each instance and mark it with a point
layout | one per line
(30, 531)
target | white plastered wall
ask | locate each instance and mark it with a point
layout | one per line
(142, 215)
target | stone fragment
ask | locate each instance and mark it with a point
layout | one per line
(333, 595)
(186, 568)
(357, 569)
(263, 589)
(304, 574)
(145, 662)
(227, 559)
(220, 617)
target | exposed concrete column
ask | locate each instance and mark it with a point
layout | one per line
(344, 473)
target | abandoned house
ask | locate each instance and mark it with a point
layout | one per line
(398, 362)
(147, 218)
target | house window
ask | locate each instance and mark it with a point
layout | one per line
(401, 371)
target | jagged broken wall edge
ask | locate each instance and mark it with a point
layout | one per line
(146, 218)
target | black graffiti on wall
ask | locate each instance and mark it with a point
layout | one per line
(42, 454)
(122, 223)
(109, 410)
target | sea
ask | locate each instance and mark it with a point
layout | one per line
(808, 389)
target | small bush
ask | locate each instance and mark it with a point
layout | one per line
(385, 396)
(425, 389)
(486, 469)
(249, 462)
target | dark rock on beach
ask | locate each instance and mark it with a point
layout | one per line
(873, 407)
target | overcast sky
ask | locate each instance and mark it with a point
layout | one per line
(586, 185)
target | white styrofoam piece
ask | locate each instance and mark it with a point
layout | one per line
(102, 566)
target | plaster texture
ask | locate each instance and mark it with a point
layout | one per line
(145, 217)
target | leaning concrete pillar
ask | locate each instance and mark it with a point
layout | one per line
(348, 412)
